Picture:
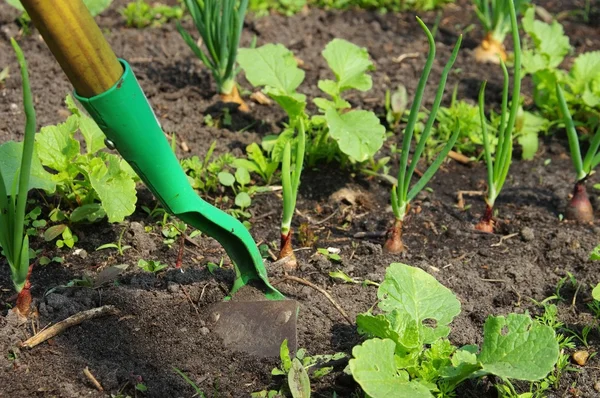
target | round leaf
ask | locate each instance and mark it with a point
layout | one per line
(243, 200)
(226, 178)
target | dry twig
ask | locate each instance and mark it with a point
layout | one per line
(91, 378)
(73, 320)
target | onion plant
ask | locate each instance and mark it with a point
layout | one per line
(579, 207)
(14, 242)
(401, 194)
(290, 181)
(495, 19)
(497, 168)
(219, 23)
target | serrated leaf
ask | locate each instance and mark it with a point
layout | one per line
(374, 369)
(271, 65)
(518, 348)
(529, 145)
(550, 41)
(418, 296)
(114, 187)
(298, 380)
(359, 133)
(11, 154)
(94, 137)
(350, 64)
(284, 355)
(585, 70)
(56, 146)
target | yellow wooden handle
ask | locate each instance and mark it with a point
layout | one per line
(77, 43)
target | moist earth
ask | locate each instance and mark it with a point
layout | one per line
(162, 322)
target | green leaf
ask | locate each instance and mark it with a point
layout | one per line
(374, 369)
(16, 4)
(243, 200)
(56, 146)
(596, 292)
(350, 64)
(359, 133)
(242, 176)
(271, 65)
(518, 348)
(226, 178)
(284, 355)
(94, 137)
(91, 212)
(114, 187)
(298, 380)
(418, 297)
(54, 232)
(10, 162)
(551, 43)
(529, 145)
(97, 6)
(584, 71)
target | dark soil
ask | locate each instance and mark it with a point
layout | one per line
(161, 323)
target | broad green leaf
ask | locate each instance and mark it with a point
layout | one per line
(595, 254)
(529, 145)
(395, 326)
(418, 296)
(226, 178)
(56, 146)
(293, 104)
(374, 369)
(359, 133)
(114, 187)
(350, 64)
(255, 153)
(298, 380)
(518, 348)
(271, 65)
(242, 176)
(243, 200)
(54, 232)
(284, 355)
(94, 137)
(10, 162)
(596, 292)
(91, 212)
(550, 41)
(585, 70)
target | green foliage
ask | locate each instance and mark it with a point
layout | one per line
(290, 177)
(219, 24)
(494, 16)
(383, 5)
(337, 131)
(284, 7)
(546, 48)
(139, 14)
(408, 353)
(401, 195)
(197, 389)
(98, 183)
(151, 266)
(13, 198)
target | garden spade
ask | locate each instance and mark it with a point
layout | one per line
(109, 91)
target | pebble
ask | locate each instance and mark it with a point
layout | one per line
(172, 287)
(580, 357)
(204, 331)
(527, 234)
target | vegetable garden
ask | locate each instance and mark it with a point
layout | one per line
(417, 175)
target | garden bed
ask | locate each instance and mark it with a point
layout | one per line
(161, 324)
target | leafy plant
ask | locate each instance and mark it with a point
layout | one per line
(383, 5)
(284, 7)
(401, 195)
(290, 181)
(93, 184)
(96, 7)
(151, 265)
(219, 23)
(118, 245)
(409, 355)
(139, 14)
(14, 186)
(497, 169)
(579, 207)
(495, 18)
(396, 104)
(338, 131)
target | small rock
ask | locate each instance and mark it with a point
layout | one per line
(580, 357)
(204, 331)
(14, 107)
(172, 287)
(527, 234)
(597, 386)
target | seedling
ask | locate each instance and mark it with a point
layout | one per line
(408, 350)
(139, 14)
(290, 181)
(341, 275)
(185, 377)
(151, 265)
(495, 18)
(330, 253)
(118, 245)
(13, 199)
(401, 195)
(219, 23)
(579, 207)
(4, 75)
(497, 169)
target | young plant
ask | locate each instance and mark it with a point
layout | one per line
(139, 14)
(290, 181)
(495, 18)
(408, 353)
(401, 195)
(13, 199)
(219, 23)
(579, 207)
(497, 169)
(151, 266)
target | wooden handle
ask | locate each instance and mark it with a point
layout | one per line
(77, 43)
